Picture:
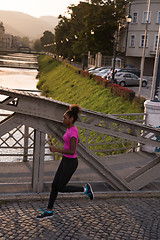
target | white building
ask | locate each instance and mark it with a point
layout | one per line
(136, 31)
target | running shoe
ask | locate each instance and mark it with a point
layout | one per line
(45, 214)
(88, 191)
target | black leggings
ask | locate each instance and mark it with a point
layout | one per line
(64, 173)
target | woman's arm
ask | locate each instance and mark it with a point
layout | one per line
(70, 151)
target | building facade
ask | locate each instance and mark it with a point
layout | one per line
(8, 41)
(136, 31)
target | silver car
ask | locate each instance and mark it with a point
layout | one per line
(102, 72)
(129, 79)
(97, 70)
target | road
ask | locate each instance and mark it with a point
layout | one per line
(145, 91)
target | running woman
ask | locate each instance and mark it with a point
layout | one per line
(69, 162)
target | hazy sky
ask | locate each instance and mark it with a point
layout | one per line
(37, 8)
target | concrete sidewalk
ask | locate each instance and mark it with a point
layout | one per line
(82, 219)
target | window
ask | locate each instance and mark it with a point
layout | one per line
(155, 43)
(118, 74)
(127, 75)
(142, 41)
(158, 17)
(135, 17)
(132, 41)
(144, 20)
(134, 76)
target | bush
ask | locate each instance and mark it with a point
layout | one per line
(105, 83)
(115, 88)
(98, 79)
(139, 102)
(85, 74)
(124, 92)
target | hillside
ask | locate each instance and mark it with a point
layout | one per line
(22, 24)
(53, 21)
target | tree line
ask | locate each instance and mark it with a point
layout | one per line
(89, 26)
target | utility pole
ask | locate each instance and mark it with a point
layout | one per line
(155, 71)
(144, 50)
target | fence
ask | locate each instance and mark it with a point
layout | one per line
(100, 60)
(18, 145)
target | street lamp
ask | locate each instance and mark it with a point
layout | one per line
(83, 57)
(128, 20)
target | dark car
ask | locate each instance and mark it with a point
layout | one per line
(131, 70)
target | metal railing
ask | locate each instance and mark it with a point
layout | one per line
(18, 145)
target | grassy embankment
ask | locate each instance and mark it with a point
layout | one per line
(61, 82)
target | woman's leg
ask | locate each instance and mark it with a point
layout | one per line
(54, 190)
(69, 167)
(64, 173)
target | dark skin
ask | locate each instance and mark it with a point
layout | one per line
(68, 122)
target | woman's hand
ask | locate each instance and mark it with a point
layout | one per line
(70, 151)
(53, 149)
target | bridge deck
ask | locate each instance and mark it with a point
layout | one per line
(17, 176)
(126, 164)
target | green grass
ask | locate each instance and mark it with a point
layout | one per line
(61, 82)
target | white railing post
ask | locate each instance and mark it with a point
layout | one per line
(26, 137)
(38, 161)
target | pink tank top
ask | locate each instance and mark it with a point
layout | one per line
(71, 132)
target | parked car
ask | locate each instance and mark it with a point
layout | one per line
(97, 70)
(128, 79)
(131, 70)
(102, 72)
(92, 68)
(107, 75)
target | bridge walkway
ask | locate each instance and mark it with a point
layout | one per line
(17, 176)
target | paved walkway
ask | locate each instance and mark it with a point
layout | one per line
(79, 218)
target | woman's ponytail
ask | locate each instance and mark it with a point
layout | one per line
(73, 111)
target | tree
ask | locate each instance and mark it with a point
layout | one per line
(37, 45)
(91, 27)
(64, 38)
(25, 41)
(2, 29)
(47, 38)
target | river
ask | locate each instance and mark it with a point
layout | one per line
(16, 78)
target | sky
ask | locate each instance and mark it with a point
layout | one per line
(38, 8)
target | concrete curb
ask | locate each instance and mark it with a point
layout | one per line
(97, 195)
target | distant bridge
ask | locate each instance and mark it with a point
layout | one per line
(100, 134)
(12, 61)
(26, 50)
